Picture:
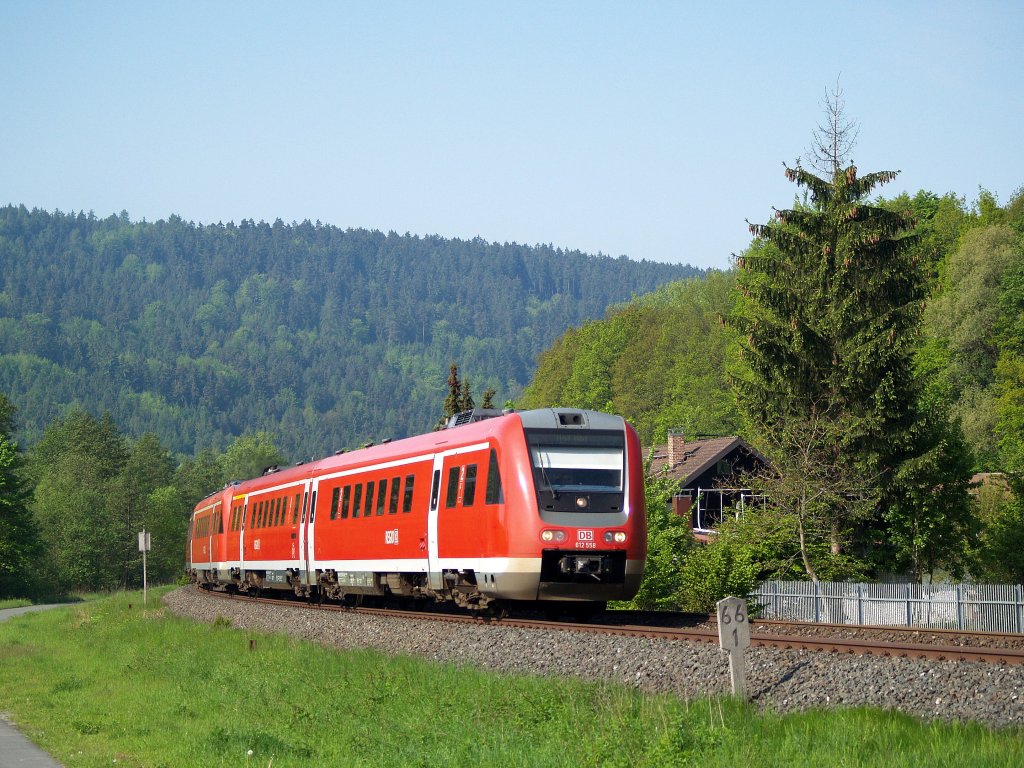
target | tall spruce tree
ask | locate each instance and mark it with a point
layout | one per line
(831, 297)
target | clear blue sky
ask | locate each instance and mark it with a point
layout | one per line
(646, 129)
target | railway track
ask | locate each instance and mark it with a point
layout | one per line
(909, 643)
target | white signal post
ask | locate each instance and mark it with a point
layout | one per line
(734, 637)
(144, 546)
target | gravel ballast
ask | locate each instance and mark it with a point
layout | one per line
(782, 680)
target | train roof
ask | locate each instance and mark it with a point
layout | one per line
(468, 427)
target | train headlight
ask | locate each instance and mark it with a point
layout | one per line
(548, 536)
(582, 502)
(615, 537)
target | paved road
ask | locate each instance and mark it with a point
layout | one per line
(15, 750)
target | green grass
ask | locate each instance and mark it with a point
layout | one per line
(14, 602)
(99, 682)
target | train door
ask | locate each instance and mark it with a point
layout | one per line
(308, 564)
(433, 556)
(306, 520)
(462, 527)
(242, 525)
(208, 538)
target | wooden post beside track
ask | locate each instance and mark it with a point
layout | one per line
(734, 637)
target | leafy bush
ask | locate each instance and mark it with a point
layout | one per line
(714, 571)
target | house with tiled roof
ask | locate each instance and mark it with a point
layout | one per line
(708, 470)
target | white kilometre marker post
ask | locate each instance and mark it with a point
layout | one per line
(144, 548)
(734, 637)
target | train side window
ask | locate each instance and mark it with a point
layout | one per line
(452, 494)
(469, 492)
(396, 491)
(282, 508)
(335, 497)
(295, 510)
(220, 522)
(356, 501)
(368, 509)
(407, 500)
(346, 499)
(494, 491)
(312, 508)
(382, 496)
(434, 488)
(275, 512)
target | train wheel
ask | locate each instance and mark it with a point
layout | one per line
(496, 610)
(587, 611)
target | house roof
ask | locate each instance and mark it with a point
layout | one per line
(698, 456)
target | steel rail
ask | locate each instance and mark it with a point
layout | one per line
(855, 646)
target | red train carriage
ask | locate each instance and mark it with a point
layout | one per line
(521, 506)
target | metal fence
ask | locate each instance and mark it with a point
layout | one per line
(979, 607)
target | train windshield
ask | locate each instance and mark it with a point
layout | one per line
(585, 461)
(579, 469)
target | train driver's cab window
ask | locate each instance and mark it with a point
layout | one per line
(494, 492)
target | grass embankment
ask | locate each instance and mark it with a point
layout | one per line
(14, 602)
(99, 682)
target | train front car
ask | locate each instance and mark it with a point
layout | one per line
(585, 495)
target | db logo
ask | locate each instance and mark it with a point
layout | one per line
(391, 537)
(583, 535)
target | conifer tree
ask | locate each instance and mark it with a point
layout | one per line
(453, 402)
(19, 543)
(831, 299)
(831, 302)
(489, 394)
(466, 397)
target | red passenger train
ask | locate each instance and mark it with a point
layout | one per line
(500, 507)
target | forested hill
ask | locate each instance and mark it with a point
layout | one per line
(324, 337)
